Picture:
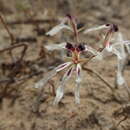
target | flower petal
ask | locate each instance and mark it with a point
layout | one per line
(60, 89)
(59, 94)
(105, 53)
(95, 29)
(67, 74)
(91, 50)
(120, 67)
(56, 46)
(77, 93)
(120, 79)
(78, 81)
(41, 83)
(118, 47)
(62, 66)
(78, 73)
(58, 28)
(128, 48)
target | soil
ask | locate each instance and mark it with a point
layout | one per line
(23, 107)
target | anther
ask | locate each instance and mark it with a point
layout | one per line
(115, 28)
(69, 46)
(81, 47)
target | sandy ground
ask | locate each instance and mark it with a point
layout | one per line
(23, 107)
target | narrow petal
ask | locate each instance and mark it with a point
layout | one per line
(77, 93)
(128, 48)
(120, 69)
(118, 47)
(59, 94)
(63, 66)
(78, 73)
(95, 29)
(105, 53)
(50, 74)
(91, 50)
(60, 89)
(59, 46)
(58, 28)
(117, 53)
(120, 79)
(78, 81)
(68, 74)
(41, 83)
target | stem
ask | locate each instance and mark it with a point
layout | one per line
(100, 77)
(74, 26)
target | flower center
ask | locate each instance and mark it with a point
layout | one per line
(76, 57)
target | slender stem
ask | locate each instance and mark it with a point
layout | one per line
(74, 26)
(100, 77)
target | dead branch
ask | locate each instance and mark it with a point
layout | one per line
(7, 29)
(25, 46)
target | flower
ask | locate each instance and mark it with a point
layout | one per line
(114, 45)
(73, 66)
(111, 45)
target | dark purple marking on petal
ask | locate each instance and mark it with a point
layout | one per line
(107, 24)
(78, 71)
(68, 73)
(62, 66)
(69, 16)
(81, 47)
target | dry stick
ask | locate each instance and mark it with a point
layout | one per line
(25, 46)
(24, 51)
(13, 41)
(14, 46)
(125, 118)
(7, 29)
(10, 34)
(100, 77)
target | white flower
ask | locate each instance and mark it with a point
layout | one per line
(71, 67)
(114, 45)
